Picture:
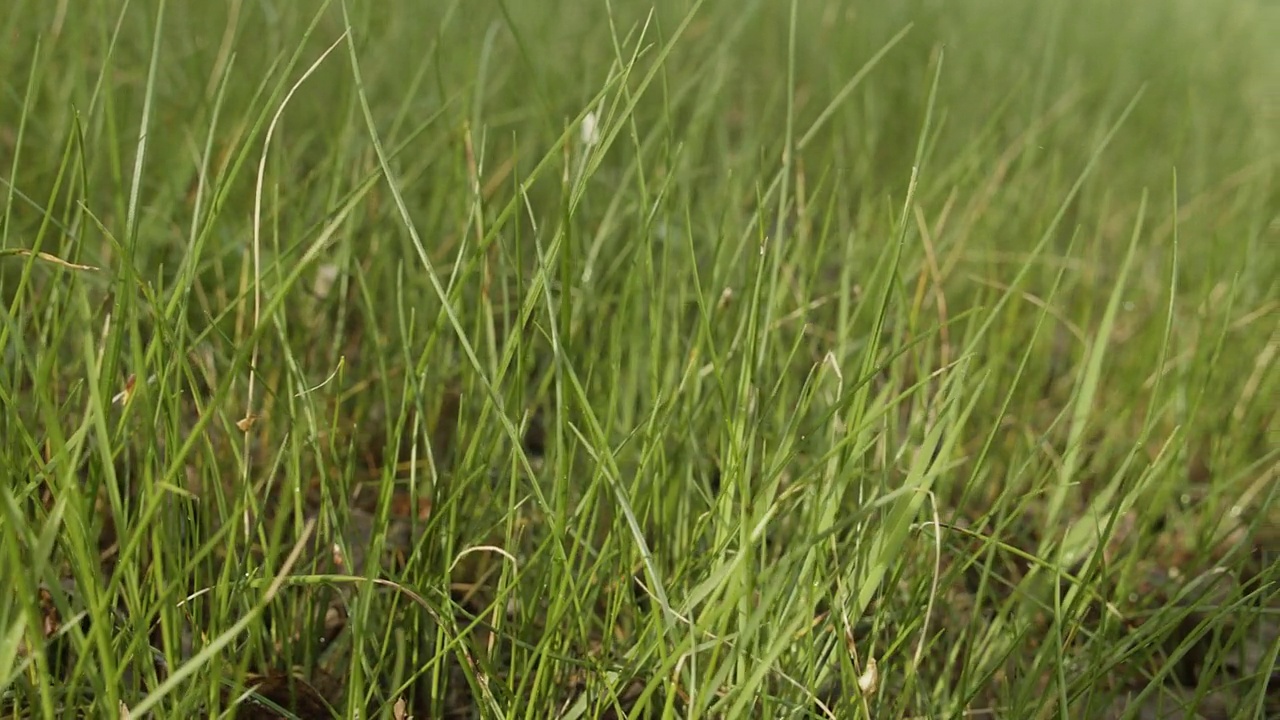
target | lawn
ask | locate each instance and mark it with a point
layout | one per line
(689, 359)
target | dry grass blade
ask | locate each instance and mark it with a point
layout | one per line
(47, 257)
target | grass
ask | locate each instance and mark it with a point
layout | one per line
(595, 360)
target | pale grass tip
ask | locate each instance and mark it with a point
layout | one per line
(591, 129)
(869, 680)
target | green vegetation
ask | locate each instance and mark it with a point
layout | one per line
(587, 360)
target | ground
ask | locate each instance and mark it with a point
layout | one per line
(599, 360)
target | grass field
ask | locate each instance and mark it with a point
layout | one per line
(748, 359)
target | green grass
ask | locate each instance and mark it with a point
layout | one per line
(588, 360)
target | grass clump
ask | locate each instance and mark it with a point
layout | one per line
(698, 360)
